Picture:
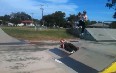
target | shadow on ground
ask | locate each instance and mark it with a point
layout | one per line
(77, 66)
(59, 52)
(70, 62)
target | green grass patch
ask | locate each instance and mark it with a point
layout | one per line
(30, 33)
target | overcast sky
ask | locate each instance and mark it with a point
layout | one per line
(96, 9)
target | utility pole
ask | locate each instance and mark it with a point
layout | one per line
(42, 9)
(32, 16)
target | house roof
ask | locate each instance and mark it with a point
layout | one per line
(27, 21)
(99, 25)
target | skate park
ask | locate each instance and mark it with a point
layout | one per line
(98, 51)
(58, 36)
(96, 54)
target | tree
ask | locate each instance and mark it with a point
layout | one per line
(49, 20)
(55, 19)
(16, 18)
(6, 18)
(100, 22)
(112, 4)
(113, 24)
(21, 16)
(15, 21)
(72, 18)
(93, 22)
(59, 18)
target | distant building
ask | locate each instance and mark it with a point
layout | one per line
(10, 24)
(28, 23)
(21, 24)
(98, 25)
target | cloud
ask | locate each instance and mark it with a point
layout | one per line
(33, 6)
(68, 9)
(58, 1)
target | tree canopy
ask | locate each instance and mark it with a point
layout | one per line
(16, 18)
(55, 19)
(112, 4)
(19, 16)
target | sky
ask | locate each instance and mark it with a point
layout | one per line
(96, 10)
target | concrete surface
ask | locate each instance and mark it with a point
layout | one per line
(35, 57)
(92, 57)
(6, 39)
(96, 56)
(100, 34)
(31, 59)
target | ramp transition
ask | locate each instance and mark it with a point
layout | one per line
(6, 39)
(92, 57)
(100, 34)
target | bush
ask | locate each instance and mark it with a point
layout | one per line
(113, 24)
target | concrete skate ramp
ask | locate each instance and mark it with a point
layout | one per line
(92, 57)
(6, 39)
(100, 34)
(88, 61)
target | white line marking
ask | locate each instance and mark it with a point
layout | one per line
(58, 61)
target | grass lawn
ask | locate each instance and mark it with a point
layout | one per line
(27, 33)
